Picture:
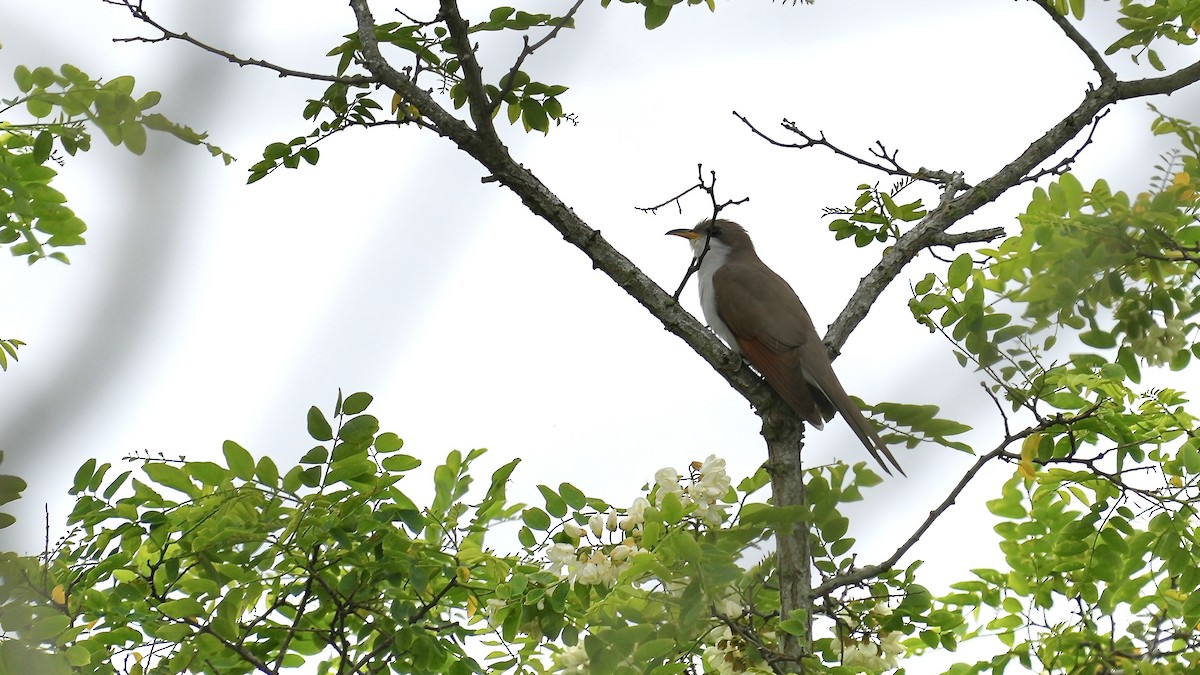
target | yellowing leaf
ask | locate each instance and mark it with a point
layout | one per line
(59, 595)
(463, 574)
(397, 99)
(1029, 446)
(1026, 469)
(472, 606)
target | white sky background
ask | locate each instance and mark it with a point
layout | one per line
(203, 309)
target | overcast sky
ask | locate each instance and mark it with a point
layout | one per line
(203, 309)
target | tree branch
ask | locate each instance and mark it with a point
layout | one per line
(477, 98)
(527, 50)
(950, 211)
(545, 204)
(1101, 68)
(870, 571)
(973, 237)
(135, 8)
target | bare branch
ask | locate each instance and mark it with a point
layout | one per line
(135, 8)
(887, 163)
(974, 237)
(871, 571)
(1102, 69)
(1064, 165)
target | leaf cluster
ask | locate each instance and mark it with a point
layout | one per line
(63, 107)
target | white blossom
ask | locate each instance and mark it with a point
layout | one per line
(635, 515)
(571, 661)
(596, 522)
(490, 610)
(725, 656)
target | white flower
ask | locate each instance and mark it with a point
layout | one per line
(869, 656)
(611, 523)
(666, 478)
(490, 610)
(571, 661)
(561, 554)
(596, 522)
(635, 515)
(892, 649)
(731, 606)
(714, 482)
(724, 655)
(572, 530)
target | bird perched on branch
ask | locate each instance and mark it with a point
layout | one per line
(759, 316)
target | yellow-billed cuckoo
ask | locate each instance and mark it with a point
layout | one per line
(759, 316)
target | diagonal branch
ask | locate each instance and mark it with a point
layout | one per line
(541, 201)
(870, 571)
(954, 209)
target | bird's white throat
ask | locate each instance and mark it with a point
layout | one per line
(716, 256)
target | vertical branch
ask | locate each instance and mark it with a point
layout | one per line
(784, 433)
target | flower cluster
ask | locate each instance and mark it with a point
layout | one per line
(727, 655)
(869, 656)
(571, 661)
(590, 566)
(603, 548)
(1159, 344)
(709, 483)
(865, 653)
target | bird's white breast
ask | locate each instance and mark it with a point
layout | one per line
(714, 259)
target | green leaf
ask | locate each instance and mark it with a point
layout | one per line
(239, 460)
(23, 78)
(83, 476)
(38, 106)
(356, 403)
(318, 426)
(266, 472)
(536, 519)
(656, 15)
(959, 271)
(182, 608)
(208, 473)
(133, 135)
(533, 115)
(1098, 339)
(388, 442)
(572, 496)
(554, 503)
(359, 429)
(401, 463)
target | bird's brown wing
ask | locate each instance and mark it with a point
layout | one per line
(770, 340)
(785, 347)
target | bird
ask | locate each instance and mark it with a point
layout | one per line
(754, 311)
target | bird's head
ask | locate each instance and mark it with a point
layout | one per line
(723, 235)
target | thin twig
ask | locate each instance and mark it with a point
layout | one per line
(135, 8)
(528, 50)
